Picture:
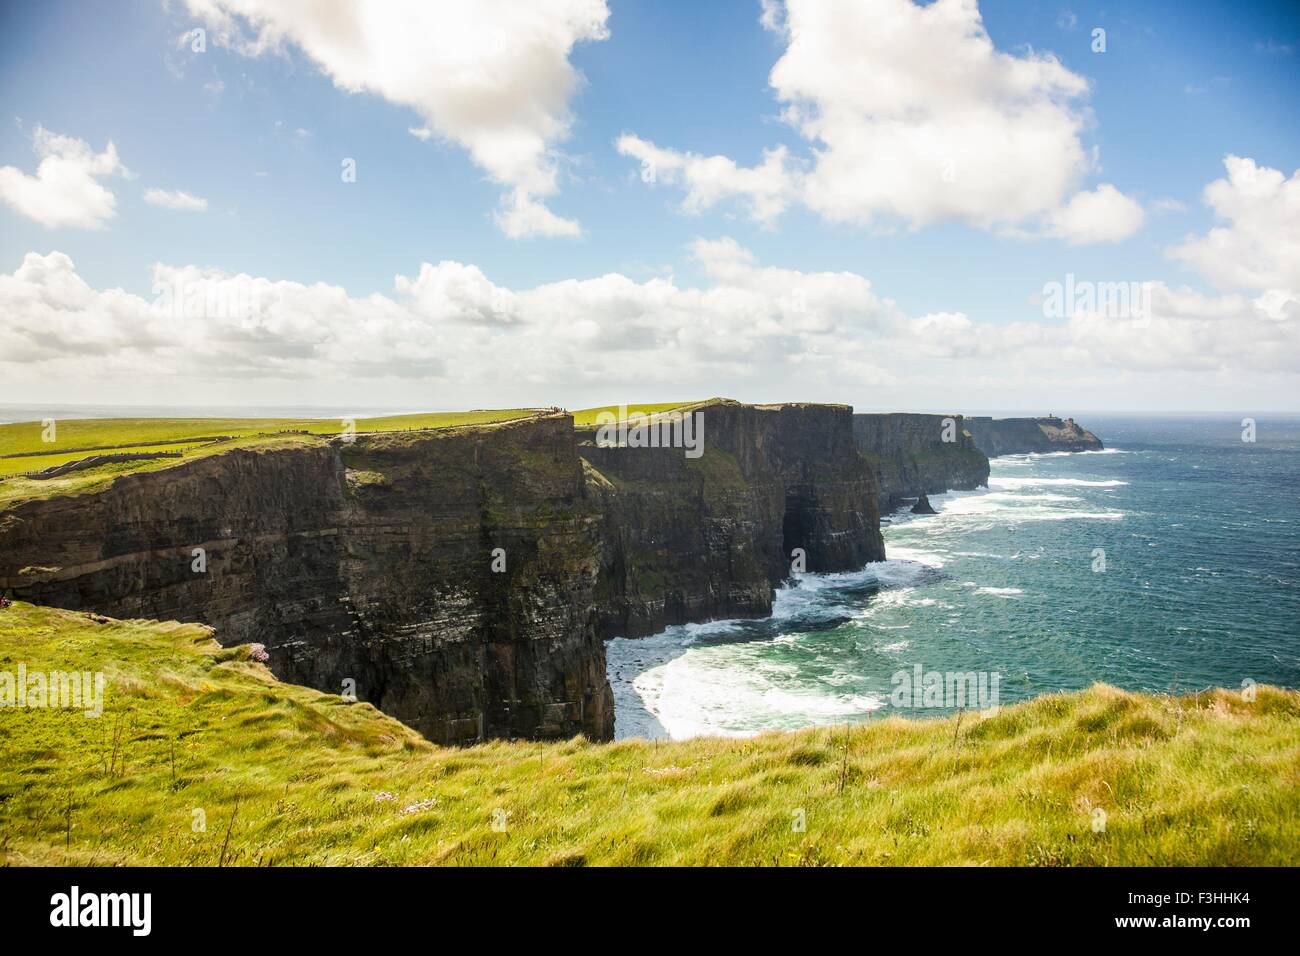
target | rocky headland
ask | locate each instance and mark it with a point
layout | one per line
(1021, 436)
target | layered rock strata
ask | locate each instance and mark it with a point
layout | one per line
(461, 579)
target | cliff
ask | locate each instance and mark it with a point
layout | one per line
(1020, 436)
(913, 455)
(459, 579)
(367, 562)
(694, 539)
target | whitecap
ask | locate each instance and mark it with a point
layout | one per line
(703, 692)
(1010, 483)
(1000, 592)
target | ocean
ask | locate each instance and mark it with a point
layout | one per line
(1168, 561)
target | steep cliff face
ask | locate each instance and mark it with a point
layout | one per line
(693, 539)
(461, 579)
(914, 455)
(369, 562)
(1020, 436)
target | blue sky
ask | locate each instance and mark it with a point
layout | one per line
(1180, 86)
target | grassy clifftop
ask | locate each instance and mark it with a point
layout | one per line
(27, 447)
(202, 757)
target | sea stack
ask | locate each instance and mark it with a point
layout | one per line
(923, 506)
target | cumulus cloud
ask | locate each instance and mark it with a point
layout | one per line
(66, 189)
(51, 316)
(1183, 331)
(493, 77)
(175, 199)
(1102, 215)
(748, 329)
(1259, 247)
(448, 322)
(767, 188)
(914, 117)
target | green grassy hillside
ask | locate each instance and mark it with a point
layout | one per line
(21, 442)
(23, 448)
(283, 775)
(591, 416)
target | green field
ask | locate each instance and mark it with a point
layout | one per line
(589, 416)
(100, 433)
(16, 488)
(23, 448)
(28, 463)
(283, 775)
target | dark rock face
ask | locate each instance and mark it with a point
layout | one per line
(689, 540)
(1020, 436)
(923, 506)
(373, 562)
(368, 562)
(911, 455)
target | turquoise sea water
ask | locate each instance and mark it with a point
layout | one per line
(1201, 587)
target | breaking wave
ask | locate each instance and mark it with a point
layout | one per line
(1000, 579)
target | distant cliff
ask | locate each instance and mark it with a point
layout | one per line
(461, 579)
(689, 540)
(1019, 436)
(913, 455)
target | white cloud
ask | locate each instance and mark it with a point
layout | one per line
(520, 216)
(1185, 331)
(914, 117)
(1259, 248)
(65, 191)
(297, 135)
(52, 317)
(1166, 204)
(1103, 215)
(766, 188)
(749, 330)
(175, 199)
(493, 76)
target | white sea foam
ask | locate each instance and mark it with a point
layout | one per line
(1031, 455)
(986, 511)
(1000, 592)
(1017, 515)
(903, 558)
(885, 603)
(707, 691)
(1009, 483)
